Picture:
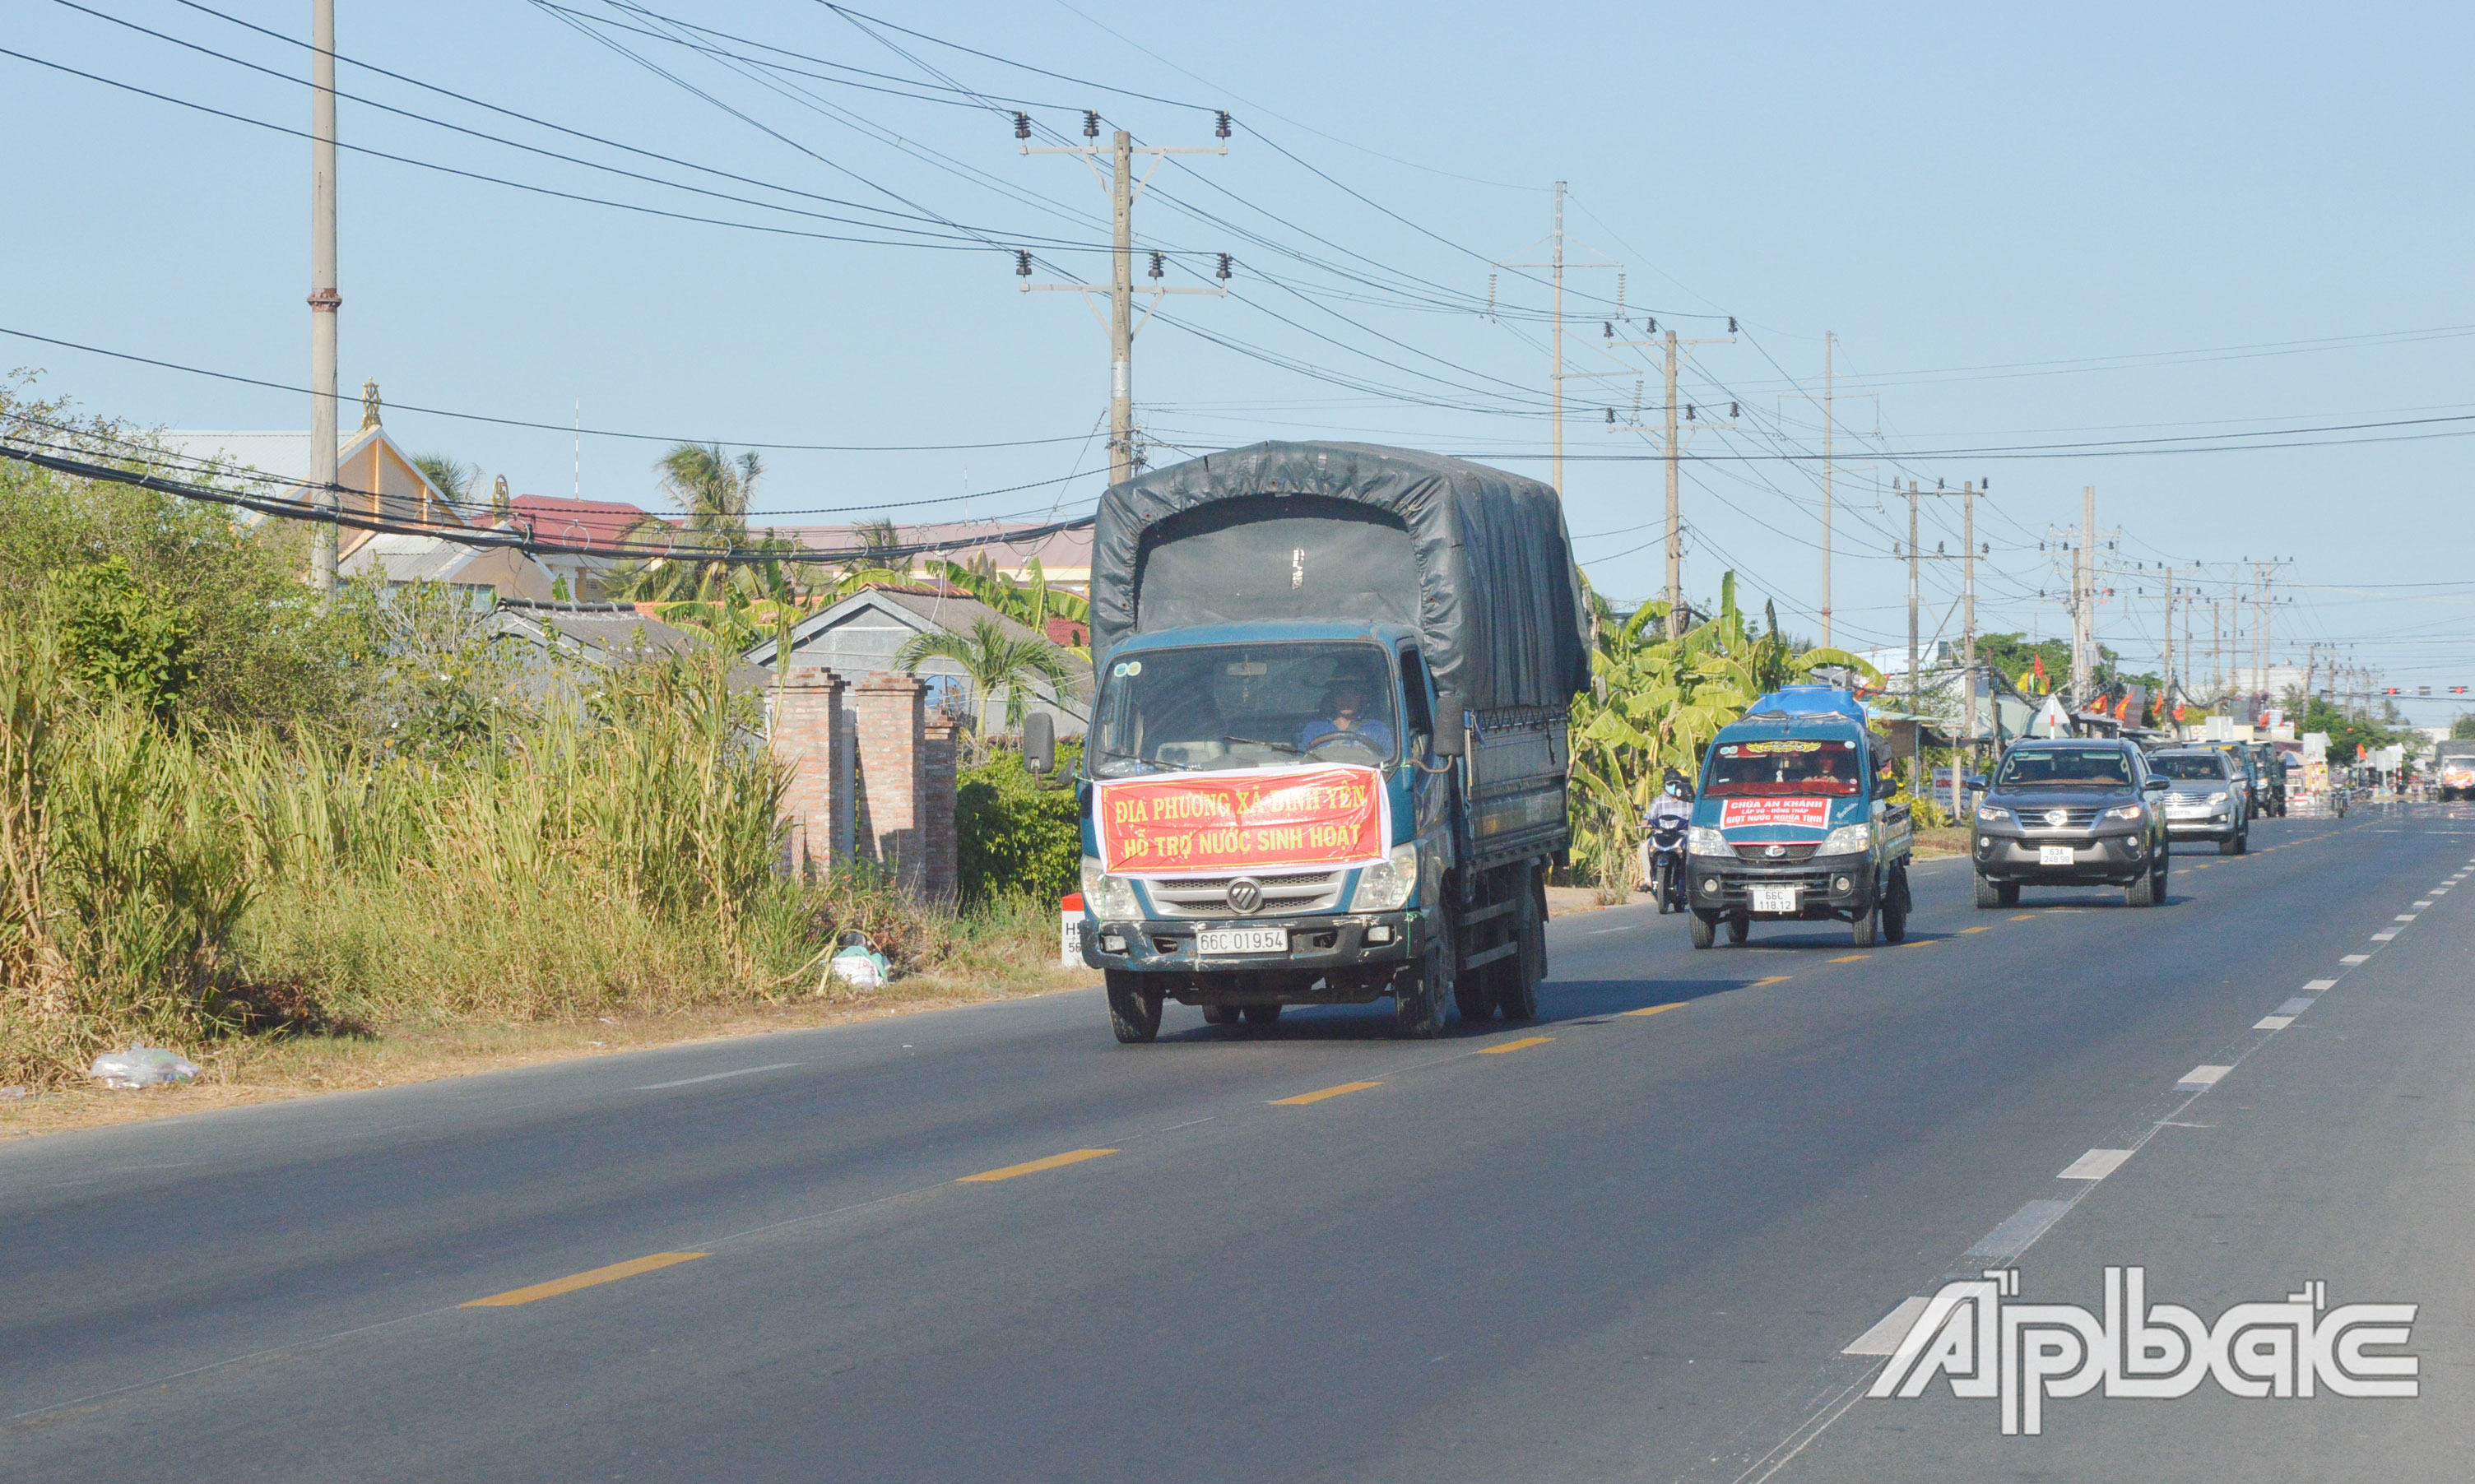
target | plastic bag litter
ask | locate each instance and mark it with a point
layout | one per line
(141, 1066)
(858, 966)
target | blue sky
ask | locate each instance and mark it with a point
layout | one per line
(2083, 225)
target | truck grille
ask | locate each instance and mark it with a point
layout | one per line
(1207, 896)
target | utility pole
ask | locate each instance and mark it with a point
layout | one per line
(2217, 649)
(2166, 700)
(1829, 343)
(2084, 600)
(1672, 350)
(1556, 264)
(1122, 323)
(323, 298)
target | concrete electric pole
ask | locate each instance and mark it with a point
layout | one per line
(1123, 326)
(323, 298)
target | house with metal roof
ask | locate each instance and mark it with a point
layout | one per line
(860, 635)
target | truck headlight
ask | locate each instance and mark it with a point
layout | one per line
(1111, 898)
(2217, 797)
(1849, 839)
(1385, 886)
(2126, 811)
(1702, 841)
(1993, 813)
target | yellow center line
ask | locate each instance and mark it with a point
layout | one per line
(2025, 917)
(1988, 928)
(568, 1285)
(1034, 1167)
(1775, 979)
(1661, 1009)
(1526, 1040)
(1305, 1098)
(1854, 958)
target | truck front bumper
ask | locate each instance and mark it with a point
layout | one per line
(1826, 886)
(1340, 957)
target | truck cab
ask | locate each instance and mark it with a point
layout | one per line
(1794, 822)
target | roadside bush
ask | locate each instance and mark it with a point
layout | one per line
(1013, 834)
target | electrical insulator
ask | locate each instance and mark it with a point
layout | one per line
(1022, 126)
(1606, 330)
(1224, 267)
(1688, 412)
(1156, 265)
(1736, 411)
(1091, 123)
(1985, 548)
(1221, 127)
(1611, 417)
(1023, 262)
(1938, 550)
(1653, 329)
(1732, 323)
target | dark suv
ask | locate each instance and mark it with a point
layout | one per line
(2071, 813)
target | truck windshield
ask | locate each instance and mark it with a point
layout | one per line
(1221, 706)
(2064, 768)
(2188, 767)
(1782, 765)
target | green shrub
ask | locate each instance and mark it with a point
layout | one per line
(1013, 834)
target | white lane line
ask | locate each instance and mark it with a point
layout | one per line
(2272, 1022)
(2017, 1233)
(1603, 932)
(715, 1076)
(2315, 986)
(2095, 1164)
(2203, 1075)
(2420, 906)
(2296, 1005)
(1884, 1338)
(2356, 958)
(2383, 937)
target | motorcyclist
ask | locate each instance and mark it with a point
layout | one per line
(1672, 809)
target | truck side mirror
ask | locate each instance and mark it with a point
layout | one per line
(1040, 743)
(1451, 726)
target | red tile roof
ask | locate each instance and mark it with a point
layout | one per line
(597, 524)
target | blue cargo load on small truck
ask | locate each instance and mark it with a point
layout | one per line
(1327, 758)
(1795, 822)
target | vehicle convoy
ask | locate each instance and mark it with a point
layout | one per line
(2205, 798)
(1795, 822)
(2073, 813)
(2453, 768)
(2253, 772)
(1327, 756)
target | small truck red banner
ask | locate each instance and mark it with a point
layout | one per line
(1243, 819)
(1804, 813)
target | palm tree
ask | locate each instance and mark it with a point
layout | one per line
(993, 660)
(713, 491)
(453, 479)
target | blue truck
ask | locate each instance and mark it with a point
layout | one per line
(1327, 757)
(1795, 822)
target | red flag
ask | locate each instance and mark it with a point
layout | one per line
(2040, 669)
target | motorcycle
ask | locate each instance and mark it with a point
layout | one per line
(1667, 866)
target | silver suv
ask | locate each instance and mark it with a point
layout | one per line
(2207, 797)
(2071, 813)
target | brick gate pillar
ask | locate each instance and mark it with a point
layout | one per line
(889, 722)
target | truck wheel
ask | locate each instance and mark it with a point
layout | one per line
(1989, 893)
(1420, 990)
(1262, 1014)
(1895, 916)
(2010, 890)
(1133, 1010)
(2232, 844)
(2144, 892)
(1739, 927)
(1869, 928)
(1220, 1015)
(1706, 930)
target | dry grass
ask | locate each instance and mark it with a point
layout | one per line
(1950, 840)
(246, 1070)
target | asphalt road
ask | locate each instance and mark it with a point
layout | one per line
(1632, 1241)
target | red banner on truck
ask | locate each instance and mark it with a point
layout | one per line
(1803, 813)
(1242, 821)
